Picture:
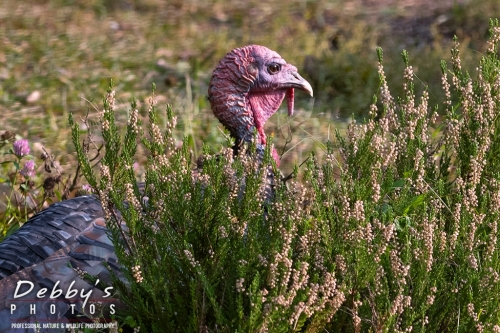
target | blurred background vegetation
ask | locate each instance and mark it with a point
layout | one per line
(58, 56)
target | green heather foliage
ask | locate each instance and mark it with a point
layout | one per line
(395, 231)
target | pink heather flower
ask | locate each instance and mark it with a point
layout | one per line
(21, 148)
(87, 188)
(28, 170)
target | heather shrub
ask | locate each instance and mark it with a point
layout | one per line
(224, 246)
(394, 231)
(415, 206)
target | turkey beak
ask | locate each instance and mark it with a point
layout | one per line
(296, 81)
(299, 82)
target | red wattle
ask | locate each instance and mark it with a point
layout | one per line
(290, 93)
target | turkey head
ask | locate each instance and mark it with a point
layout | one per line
(248, 86)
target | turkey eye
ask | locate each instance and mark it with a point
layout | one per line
(273, 68)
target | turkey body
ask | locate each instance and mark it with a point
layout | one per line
(42, 263)
(50, 251)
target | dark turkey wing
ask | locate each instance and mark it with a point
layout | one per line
(61, 225)
(47, 250)
(57, 272)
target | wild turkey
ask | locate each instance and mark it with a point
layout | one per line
(54, 246)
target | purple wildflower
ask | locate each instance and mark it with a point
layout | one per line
(21, 148)
(28, 170)
(87, 188)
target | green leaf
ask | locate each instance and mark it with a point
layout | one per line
(130, 321)
(12, 228)
(398, 183)
(402, 222)
(415, 202)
